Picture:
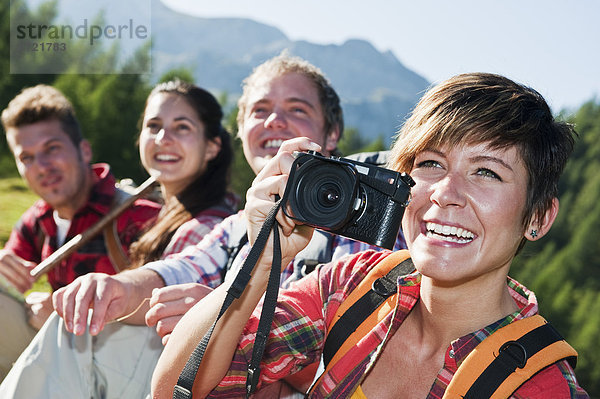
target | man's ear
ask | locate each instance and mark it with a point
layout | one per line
(331, 140)
(538, 228)
(85, 149)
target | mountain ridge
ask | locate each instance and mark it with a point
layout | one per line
(377, 91)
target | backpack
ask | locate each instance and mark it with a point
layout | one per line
(495, 368)
(117, 255)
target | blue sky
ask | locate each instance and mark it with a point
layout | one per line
(551, 45)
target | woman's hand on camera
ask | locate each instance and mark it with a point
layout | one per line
(260, 198)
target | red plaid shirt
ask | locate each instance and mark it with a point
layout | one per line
(34, 237)
(309, 305)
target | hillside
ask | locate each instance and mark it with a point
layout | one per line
(377, 91)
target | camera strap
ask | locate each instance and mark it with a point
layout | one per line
(183, 389)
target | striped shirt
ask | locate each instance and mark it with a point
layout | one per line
(307, 307)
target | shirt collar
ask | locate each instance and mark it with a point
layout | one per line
(525, 299)
(528, 306)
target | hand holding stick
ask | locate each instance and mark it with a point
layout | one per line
(73, 244)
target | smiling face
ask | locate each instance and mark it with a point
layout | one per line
(54, 168)
(465, 219)
(279, 109)
(172, 142)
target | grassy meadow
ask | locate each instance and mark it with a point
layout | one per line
(15, 198)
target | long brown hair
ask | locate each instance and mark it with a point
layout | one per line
(207, 190)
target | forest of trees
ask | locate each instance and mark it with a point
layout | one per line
(563, 268)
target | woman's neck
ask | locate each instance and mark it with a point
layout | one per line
(447, 313)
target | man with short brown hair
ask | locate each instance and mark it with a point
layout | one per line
(54, 159)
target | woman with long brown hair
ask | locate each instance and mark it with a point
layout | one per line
(183, 143)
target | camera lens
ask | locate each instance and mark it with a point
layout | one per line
(328, 195)
(324, 194)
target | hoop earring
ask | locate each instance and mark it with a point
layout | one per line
(533, 233)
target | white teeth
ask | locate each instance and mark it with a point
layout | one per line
(449, 233)
(275, 143)
(166, 157)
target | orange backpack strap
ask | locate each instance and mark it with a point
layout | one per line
(368, 304)
(502, 362)
(117, 255)
(373, 298)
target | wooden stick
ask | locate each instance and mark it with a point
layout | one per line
(74, 243)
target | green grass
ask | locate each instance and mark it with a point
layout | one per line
(15, 198)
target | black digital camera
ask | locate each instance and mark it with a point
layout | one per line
(346, 197)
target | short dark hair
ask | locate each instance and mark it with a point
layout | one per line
(488, 108)
(42, 103)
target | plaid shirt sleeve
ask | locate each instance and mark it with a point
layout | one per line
(201, 263)
(294, 324)
(345, 246)
(298, 331)
(191, 233)
(23, 240)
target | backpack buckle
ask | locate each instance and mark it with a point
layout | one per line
(516, 352)
(384, 287)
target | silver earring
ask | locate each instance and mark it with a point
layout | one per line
(533, 233)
